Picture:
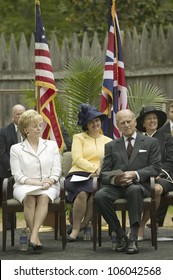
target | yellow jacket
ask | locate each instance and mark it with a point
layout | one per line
(87, 152)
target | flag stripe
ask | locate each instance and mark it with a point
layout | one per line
(43, 62)
(42, 53)
(114, 91)
(41, 46)
(44, 74)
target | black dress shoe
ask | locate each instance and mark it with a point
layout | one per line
(122, 244)
(132, 247)
(35, 246)
(71, 239)
(69, 230)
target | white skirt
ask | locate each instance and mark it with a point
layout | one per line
(21, 191)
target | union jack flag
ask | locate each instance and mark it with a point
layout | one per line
(45, 84)
(114, 91)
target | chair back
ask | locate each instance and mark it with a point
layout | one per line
(66, 163)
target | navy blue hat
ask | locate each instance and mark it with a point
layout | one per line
(162, 117)
(88, 113)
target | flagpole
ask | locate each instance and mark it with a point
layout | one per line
(115, 32)
(37, 88)
(110, 116)
(110, 132)
(37, 94)
(45, 88)
(49, 220)
(110, 126)
(114, 91)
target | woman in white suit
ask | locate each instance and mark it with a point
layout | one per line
(36, 167)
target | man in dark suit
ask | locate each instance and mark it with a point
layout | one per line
(139, 158)
(168, 127)
(8, 137)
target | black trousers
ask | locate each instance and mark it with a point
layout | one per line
(1, 182)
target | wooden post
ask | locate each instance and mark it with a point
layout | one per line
(37, 96)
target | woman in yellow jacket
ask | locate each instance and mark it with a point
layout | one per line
(87, 153)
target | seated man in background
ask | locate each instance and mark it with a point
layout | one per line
(135, 158)
(9, 136)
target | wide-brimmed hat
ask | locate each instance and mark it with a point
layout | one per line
(162, 117)
(88, 113)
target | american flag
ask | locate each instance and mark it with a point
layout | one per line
(45, 84)
(114, 91)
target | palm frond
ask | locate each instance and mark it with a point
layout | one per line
(142, 96)
(82, 84)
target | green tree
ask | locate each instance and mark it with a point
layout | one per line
(140, 12)
(69, 16)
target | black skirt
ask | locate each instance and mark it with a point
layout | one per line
(73, 188)
(167, 186)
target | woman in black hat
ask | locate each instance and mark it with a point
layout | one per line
(149, 122)
(87, 153)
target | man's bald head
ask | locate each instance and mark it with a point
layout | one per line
(126, 122)
(17, 111)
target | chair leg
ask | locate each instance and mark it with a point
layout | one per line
(95, 218)
(109, 231)
(100, 230)
(153, 229)
(12, 228)
(123, 213)
(63, 228)
(4, 229)
(56, 225)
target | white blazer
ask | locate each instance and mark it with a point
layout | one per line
(25, 163)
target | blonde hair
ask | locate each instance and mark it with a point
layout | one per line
(26, 118)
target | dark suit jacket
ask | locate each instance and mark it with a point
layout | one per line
(8, 137)
(166, 128)
(166, 149)
(145, 159)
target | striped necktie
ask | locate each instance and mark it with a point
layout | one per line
(129, 147)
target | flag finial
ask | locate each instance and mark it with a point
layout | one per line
(37, 2)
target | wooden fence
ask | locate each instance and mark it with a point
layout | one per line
(147, 57)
